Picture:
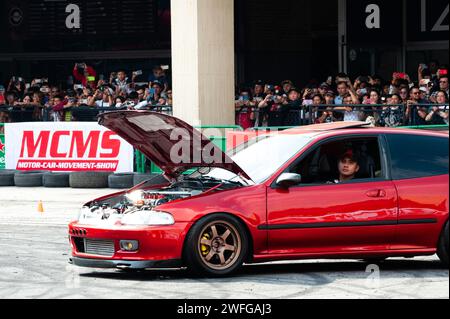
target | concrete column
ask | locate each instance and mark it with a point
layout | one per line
(203, 61)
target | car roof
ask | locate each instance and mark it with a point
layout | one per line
(356, 128)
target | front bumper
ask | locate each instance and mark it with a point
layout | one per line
(125, 264)
(158, 246)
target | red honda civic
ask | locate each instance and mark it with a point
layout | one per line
(329, 191)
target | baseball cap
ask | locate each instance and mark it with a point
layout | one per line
(351, 154)
(330, 93)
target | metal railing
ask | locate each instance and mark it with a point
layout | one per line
(379, 114)
(33, 113)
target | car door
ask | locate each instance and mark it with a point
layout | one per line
(344, 218)
(420, 166)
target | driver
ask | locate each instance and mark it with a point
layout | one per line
(348, 167)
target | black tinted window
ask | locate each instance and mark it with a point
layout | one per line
(416, 156)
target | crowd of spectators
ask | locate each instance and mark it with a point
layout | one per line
(50, 102)
(397, 102)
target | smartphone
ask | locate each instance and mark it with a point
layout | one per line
(101, 77)
(139, 72)
(165, 67)
(91, 78)
(38, 81)
(152, 92)
(78, 86)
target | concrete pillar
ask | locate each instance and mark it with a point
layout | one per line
(203, 61)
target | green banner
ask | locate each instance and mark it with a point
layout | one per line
(2, 151)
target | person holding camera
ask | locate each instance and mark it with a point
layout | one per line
(415, 113)
(102, 97)
(120, 82)
(270, 108)
(439, 114)
(84, 74)
(245, 109)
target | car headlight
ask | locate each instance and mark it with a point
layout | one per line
(149, 218)
(135, 196)
(81, 214)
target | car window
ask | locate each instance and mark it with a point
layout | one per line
(322, 164)
(415, 156)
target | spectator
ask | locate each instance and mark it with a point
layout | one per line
(327, 116)
(245, 112)
(392, 115)
(156, 95)
(2, 95)
(120, 101)
(287, 85)
(351, 114)
(374, 99)
(258, 92)
(84, 74)
(102, 98)
(158, 75)
(121, 82)
(329, 98)
(4, 118)
(11, 98)
(415, 113)
(345, 87)
(443, 84)
(439, 114)
(404, 95)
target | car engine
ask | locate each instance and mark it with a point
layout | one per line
(112, 209)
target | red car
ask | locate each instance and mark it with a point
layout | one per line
(338, 190)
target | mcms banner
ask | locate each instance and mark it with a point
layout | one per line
(66, 147)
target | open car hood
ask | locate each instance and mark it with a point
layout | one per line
(170, 143)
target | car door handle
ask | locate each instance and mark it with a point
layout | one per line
(376, 193)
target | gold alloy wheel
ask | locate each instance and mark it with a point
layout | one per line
(219, 245)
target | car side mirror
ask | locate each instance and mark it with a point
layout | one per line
(287, 180)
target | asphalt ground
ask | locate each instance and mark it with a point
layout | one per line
(34, 253)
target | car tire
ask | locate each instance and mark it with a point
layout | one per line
(29, 179)
(216, 246)
(121, 181)
(7, 177)
(443, 246)
(89, 179)
(152, 179)
(56, 180)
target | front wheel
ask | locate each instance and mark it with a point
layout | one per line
(216, 246)
(443, 246)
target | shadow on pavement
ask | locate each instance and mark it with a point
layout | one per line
(320, 271)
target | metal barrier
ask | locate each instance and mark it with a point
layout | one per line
(32, 113)
(381, 115)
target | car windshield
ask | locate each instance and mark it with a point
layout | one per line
(261, 157)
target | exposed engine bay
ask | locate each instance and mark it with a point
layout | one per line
(146, 198)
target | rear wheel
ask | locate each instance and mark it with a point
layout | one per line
(216, 246)
(443, 246)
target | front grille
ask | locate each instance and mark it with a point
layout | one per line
(99, 247)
